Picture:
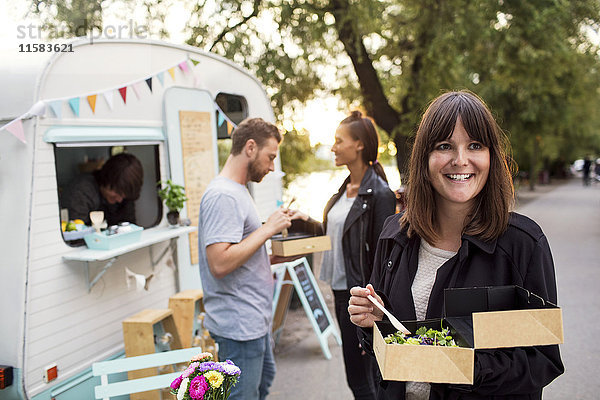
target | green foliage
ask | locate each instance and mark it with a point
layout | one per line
(224, 148)
(532, 61)
(172, 194)
(298, 156)
(65, 19)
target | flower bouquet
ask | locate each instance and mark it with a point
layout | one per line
(205, 379)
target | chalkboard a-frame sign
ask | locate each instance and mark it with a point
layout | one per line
(311, 298)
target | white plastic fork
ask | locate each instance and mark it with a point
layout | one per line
(397, 324)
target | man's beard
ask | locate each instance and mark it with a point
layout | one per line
(254, 173)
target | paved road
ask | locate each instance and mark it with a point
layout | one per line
(570, 216)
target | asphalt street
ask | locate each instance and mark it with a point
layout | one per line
(569, 214)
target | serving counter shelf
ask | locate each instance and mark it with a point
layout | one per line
(148, 238)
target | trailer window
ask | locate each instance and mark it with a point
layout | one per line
(236, 109)
(75, 168)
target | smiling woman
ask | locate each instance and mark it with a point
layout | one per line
(458, 231)
(458, 170)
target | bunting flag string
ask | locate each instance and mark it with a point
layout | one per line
(149, 83)
(221, 117)
(108, 96)
(92, 101)
(161, 77)
(15, 127)
(56, 107)
(123, 92)
(184, 66)
(137, 89)
(74, 103)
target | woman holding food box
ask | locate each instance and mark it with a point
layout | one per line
(353, 218)
(458, 231)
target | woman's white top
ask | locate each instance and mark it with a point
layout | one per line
(430, 260)
(333, 270)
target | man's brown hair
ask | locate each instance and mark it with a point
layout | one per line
(122, 173)
(256, 129)
(489, 217)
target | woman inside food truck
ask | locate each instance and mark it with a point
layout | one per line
(458, 231)
(112, 189)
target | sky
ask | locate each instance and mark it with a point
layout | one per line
(319, 117)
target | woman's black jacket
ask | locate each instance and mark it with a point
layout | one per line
(521, 256)
(373, 204)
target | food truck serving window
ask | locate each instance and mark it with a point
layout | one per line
(88, 173)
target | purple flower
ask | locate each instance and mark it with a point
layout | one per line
(198, 387)
(229, 368)
(175, 384)
(210, 366)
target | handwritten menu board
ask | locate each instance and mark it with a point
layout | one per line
(197, 148)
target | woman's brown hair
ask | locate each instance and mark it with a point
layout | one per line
(362, 129)
(489, 217)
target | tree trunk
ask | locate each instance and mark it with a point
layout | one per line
(374, 98)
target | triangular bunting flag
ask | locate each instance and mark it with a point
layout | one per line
(56, 107)
(149, 83)
(221, 119)
(184, 66)
(195, 62)
(161, 77)
(74, 103)
(16, 128)
(229, 128)
(123, 92)
(137, 89)
(109, 97)
(92, 101)
(172, 72)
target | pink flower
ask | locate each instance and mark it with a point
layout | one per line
(198, 387)
(190, 369)
(175, 384)
(202, 357)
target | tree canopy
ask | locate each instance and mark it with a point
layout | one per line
(535, 63)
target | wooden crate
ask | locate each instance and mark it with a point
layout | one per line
(138, 336)
(188, 312)
(186, 306)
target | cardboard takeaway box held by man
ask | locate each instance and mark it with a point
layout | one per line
(303, 237)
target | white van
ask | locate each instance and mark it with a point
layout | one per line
(63, 304)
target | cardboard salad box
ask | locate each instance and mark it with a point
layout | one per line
(437, 364)
(303, 237)
(478, 318)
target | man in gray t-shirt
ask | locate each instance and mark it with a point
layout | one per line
(234, 264)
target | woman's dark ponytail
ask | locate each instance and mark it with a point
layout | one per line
(363, 129)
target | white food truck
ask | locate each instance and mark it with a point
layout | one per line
(171, 106)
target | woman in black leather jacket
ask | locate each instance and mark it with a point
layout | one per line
(458, 231)
(353, 219)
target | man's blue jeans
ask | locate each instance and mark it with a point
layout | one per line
(255, 359)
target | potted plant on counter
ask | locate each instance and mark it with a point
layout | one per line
(174, 196)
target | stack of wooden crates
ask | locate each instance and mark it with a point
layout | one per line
(179, 326)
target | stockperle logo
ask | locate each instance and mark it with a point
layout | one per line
(128, 30)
